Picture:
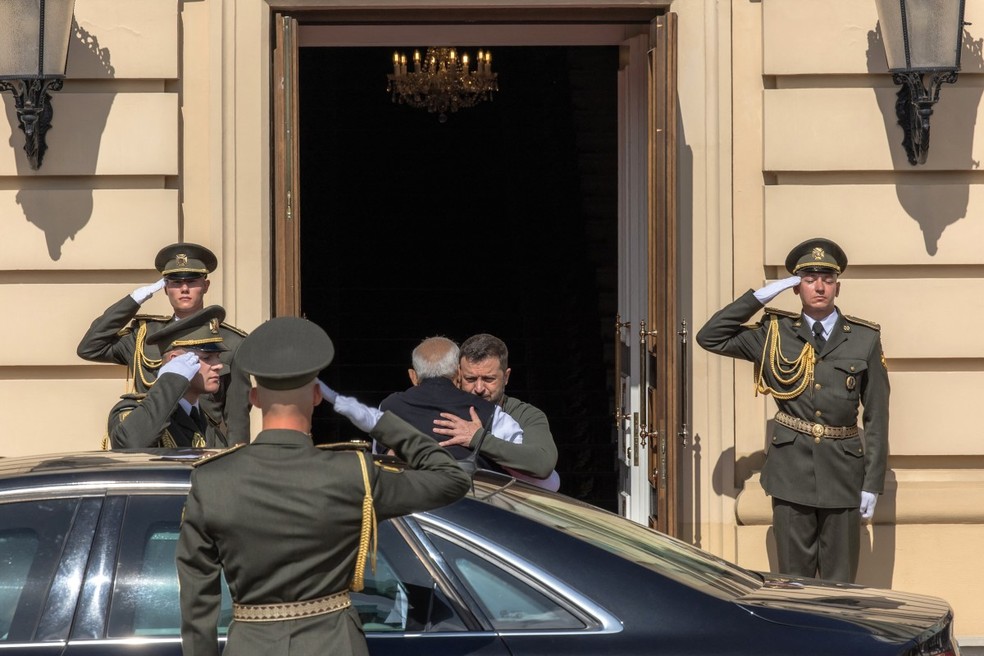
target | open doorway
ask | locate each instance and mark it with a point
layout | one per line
(501, 220)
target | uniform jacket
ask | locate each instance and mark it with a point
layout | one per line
(537, 454)
(291, 532)
(849, 372)
(112, 337)
(156, 419)
(420, 405)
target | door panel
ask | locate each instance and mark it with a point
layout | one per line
(286, 162)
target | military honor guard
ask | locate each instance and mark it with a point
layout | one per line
(295, 537)
(120, 335)
(169, 415)
(822, 367)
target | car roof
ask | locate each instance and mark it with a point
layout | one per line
(166, 466)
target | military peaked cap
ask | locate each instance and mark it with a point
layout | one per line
(199, 332)
(185, 260)
(285, 353)
(817, 255)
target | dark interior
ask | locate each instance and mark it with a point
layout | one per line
(503, 220)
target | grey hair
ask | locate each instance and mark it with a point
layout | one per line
(435, 357)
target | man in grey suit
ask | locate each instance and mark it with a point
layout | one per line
(820, 366)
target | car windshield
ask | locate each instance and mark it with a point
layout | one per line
(639, 544)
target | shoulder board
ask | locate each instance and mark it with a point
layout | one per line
(135, 396)
(218, 454)
(862, 322)
(782, 313)
(238, 331)
(390, 464)
(153, 317)
(351, 445)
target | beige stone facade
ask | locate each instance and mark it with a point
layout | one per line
(162, 133)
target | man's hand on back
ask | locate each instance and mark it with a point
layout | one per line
(459, 431)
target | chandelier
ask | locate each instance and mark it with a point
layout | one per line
(441, 81)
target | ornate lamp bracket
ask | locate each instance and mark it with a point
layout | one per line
(913, 107)
(32, 101)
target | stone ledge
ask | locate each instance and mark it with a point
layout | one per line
(912, 496)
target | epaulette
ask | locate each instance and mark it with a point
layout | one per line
(862, 322)
(781, 313)
(153, 317)
(134, 396)
(351, 445)
(390, 464)
(218, 454)
(238, 331)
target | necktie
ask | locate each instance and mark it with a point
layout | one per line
(818, 335)
(199, 420)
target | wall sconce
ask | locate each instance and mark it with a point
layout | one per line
(33, 55)
(922, 42)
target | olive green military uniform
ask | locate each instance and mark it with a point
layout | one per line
(291, 533)
(155, 419)
(120, 334)
(801, 467)
(296, 536)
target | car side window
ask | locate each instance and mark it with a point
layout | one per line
(145, 599)
(32, 538)
(400, 595)
(509, 602)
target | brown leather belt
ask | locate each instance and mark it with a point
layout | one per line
(291, 610)
(816, 430)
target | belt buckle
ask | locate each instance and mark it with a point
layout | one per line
(817, 430)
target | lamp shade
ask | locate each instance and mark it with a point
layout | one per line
(921, 35)
(35, 37)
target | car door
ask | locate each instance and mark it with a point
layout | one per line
(129, 598)
(44, 547)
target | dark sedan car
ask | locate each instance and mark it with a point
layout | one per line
(87, 567)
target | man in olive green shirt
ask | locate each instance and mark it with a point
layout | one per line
(821, 367)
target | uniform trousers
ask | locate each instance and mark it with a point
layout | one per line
(817, 542)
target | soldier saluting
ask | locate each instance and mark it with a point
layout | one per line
(297, 534)
(120, 335)
(820, 366)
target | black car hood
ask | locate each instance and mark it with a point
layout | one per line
(813, 603)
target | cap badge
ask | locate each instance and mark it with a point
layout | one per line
(213, 325)
(182, 259)
(818, 253)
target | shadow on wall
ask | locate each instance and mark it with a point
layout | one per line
(61, 215)
(934, 207)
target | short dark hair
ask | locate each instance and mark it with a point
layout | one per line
(482, 346)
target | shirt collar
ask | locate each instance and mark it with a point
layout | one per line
(827, 322)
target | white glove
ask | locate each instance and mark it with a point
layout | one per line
(868, 501)
(185, 365)
(327, 393)
(362, 416)
(773, 289)
(551, 482)
(141, 294)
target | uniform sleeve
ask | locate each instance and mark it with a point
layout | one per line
(537, 454)
(874, 399)
(135, 425)
(433, 478)
(725, 334)
(236, 406)
(103, 343)
(199, 579)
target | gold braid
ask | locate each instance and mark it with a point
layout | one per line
(140, 360)
(786, 372)
(368, 532)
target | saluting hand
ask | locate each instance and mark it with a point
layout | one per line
(141, 294)
(186, 365)
(773, 289)
(460, 430)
